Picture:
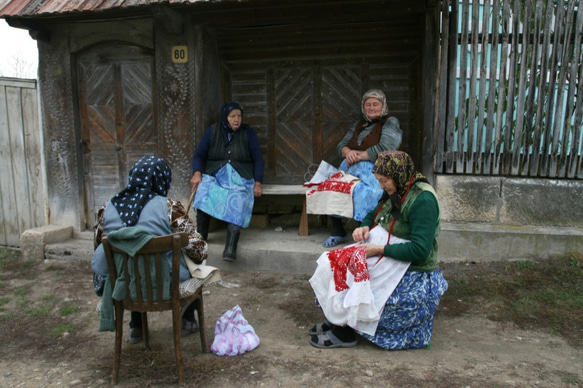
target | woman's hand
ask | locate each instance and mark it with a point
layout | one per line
(352, 157)
(257, 189)
(374, 250)
(361, 234)
(195, 180)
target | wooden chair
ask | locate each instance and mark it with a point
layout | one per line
(182, 295)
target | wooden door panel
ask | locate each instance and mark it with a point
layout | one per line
(340, 96)
(294, 120)
(137, 104)
(308, 110)
(117, 119)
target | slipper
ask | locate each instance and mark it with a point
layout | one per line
(329, 341)
(320, 328)
(332, 241)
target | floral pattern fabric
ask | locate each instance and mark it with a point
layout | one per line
(407, 319)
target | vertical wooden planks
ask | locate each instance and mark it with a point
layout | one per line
(8, 226)
(22, 182)
(33, 146)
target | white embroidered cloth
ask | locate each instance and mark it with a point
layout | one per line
(333, 196)
(360, 306)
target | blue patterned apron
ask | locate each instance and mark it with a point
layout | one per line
(226, 196)
(367, 192)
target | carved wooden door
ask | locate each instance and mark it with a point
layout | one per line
(314, 108)
(117, 117)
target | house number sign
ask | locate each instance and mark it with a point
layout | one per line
(179, 54)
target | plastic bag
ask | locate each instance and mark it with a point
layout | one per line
(233, 334)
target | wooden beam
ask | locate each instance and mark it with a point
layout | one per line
(172, 20)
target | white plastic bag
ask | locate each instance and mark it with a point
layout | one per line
(233, 334)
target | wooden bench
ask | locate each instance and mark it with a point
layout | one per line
(267, 189)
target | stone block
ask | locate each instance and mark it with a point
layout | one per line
(33, 241)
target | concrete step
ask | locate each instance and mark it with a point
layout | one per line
(265, 249)
(259, 249)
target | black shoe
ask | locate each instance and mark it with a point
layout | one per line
(230, 252)
(136, 335)
(189, 327)
(229, 258)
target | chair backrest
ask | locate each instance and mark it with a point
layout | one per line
(143, 273)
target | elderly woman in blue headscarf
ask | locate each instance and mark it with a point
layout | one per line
(227, 174)
(144, 204)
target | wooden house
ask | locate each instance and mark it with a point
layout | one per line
(487, 94)
(123, 79)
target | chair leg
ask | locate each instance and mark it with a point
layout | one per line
(118, 339)
(177, 330)
(145, 331)
(201, 324)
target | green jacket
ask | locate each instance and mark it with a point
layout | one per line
(130, 240)
(419, 224)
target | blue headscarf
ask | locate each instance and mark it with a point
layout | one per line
(150, 176)
(225, 110)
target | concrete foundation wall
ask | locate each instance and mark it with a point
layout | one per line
(487, 218)
(510, 201)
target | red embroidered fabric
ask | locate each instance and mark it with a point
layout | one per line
(333, 184)
(351, 259)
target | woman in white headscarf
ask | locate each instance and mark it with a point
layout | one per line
(376, 132)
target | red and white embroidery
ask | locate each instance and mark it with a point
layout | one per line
(351, 259)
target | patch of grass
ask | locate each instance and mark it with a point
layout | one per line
(7, 317)
(538, 294)
(36, 312)
(8, 258)
(4, 300)
(61, 329)
(68, 310)
(20, 292)
(7, 254)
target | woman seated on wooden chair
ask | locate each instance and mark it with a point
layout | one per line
(143, 203)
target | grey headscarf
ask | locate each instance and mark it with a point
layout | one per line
(379, 95)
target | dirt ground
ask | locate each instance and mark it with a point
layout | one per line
(49, 338)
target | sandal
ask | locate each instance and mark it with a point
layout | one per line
(320, 328)
(328, 340)
(332, 241)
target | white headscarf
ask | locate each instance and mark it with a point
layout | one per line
(379, 95)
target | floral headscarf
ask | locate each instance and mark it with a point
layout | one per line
(150, 176)
(379, 95)
(399, 166)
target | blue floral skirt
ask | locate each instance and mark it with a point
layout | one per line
(407, 318)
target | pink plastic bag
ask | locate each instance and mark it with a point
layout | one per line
(233, 334)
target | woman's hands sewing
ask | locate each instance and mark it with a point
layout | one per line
(361, 235)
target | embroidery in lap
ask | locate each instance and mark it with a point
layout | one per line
(351, 259)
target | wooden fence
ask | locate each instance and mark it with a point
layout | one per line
(510, 89)
(22, 193)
